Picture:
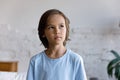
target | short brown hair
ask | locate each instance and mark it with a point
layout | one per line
(43, 23)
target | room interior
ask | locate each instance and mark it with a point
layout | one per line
(94, 31)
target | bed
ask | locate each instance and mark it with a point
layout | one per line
(9, 71)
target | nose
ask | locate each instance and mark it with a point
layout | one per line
(57, 30)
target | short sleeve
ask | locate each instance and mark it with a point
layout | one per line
(80, 70)
(30, 73)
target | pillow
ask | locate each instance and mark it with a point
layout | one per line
(7, 75)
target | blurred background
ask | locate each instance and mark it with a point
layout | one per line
(94, 31)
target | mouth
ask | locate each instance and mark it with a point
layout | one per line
(57, 37)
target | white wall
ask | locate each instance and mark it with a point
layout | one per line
(94, 30)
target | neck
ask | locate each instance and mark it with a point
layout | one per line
(55, 51)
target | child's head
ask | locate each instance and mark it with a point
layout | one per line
(43, 24)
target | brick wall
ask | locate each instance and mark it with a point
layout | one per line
(92, 43)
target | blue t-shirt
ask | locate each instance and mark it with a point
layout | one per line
(68, 67)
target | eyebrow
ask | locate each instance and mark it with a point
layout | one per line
(52, 24)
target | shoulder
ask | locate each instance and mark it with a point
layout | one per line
(37, 57)
(75, 56)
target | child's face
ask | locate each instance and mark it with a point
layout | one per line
(55, 31)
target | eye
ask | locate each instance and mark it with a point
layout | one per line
(61, 26)
(50, 27)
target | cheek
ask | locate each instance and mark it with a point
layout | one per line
(64, 32)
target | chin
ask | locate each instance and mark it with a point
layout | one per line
(58, 43)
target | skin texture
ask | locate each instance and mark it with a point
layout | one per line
(55, 33)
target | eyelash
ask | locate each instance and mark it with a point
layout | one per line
(51, 27)
(61, 25)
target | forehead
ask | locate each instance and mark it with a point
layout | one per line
(55, 18)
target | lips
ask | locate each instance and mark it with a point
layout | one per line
(58, 37)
